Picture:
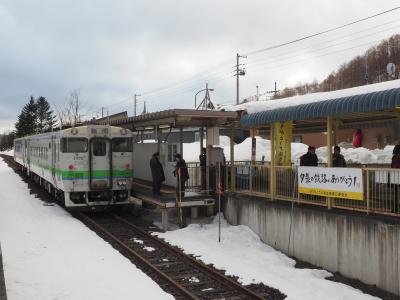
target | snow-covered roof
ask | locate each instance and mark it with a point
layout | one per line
(258, 106)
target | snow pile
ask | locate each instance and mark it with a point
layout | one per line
(243, 152)
(242, 254)
(8, 152)
(252, 107)
(48, 254)
(361, 155)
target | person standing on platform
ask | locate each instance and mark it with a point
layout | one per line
(310, 159)
(157, 173)
(182, 175)
(337, 158)
(394, 178)
(203, 168)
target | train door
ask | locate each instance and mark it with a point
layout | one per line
(100, 164)
(24, 152)
(53, 159)
(28, 156)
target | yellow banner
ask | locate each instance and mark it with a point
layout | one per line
(331, 193)
(283, 140)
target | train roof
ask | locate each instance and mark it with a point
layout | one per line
(85, 128)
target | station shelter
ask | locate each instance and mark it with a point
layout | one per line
(166, 132)
(361, 188)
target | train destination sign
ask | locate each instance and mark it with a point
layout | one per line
(343, 183)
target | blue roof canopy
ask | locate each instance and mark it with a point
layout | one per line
(362, 103)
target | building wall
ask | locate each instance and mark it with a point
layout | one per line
(373, 138)
(142, 153)
(358, 247)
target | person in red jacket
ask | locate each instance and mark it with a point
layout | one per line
(396, 165)
(357, 138)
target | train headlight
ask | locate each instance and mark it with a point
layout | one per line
(121, 182)
(123, 131)
(74, 131)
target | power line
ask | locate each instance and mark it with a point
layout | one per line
(322, 32)
(179, 86)
(274, 60)
(254, 61)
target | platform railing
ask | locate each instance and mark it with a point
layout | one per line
(249, 179)
(381, 186)
(287, 190)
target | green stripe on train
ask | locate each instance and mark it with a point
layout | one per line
(81, 174)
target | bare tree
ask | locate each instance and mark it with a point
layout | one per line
(71, 114)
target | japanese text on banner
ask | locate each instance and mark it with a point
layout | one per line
(346, 183)
(283, 140)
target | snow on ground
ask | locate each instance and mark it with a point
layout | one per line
(191, 152)
(241, 253)
(50, 255)
(257, 106)
(8, 152)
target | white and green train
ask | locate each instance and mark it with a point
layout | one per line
(84, 167)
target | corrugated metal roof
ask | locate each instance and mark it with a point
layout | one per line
(375, 101)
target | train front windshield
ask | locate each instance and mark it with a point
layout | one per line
(74, 145)
(122, 145)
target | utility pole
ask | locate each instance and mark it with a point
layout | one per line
(257, 92)
(135, 103)
(239, 72)
(275, 89)
(102, 112)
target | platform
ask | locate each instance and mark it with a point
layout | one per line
(167, 200)
(3, 293)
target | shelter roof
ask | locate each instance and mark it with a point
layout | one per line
(365, 107)
(181, 118)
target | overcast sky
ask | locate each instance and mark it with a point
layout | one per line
(168, 50)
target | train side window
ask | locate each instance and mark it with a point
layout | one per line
(122, 145)
(74, 145)
(99, 148)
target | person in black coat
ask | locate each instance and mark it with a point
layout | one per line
(309, 159)
(182, 175)
(157, 173)
(337, 158)
(203, 167)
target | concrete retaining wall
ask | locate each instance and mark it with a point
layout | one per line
(359, 247)
(3, 294)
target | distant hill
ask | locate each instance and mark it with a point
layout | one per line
(361, 70)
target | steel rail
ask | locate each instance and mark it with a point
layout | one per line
(179, 288)
(210, 271)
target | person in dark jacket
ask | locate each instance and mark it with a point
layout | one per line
(395, 165)
(337, 158)
(203, 168)
(182, 175)
(309, 159)
(157, 173)
(396, 157)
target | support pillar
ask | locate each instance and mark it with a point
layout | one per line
(232, 155)
(253, 146)
(336, 131)
(210, 210)
(181, 140)
(194, 212)
(158, 138)
(329, 137)
(201, 138)
(164, 219)
(272, 165)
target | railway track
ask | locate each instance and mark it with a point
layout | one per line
(177, 273)
(180, 274)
